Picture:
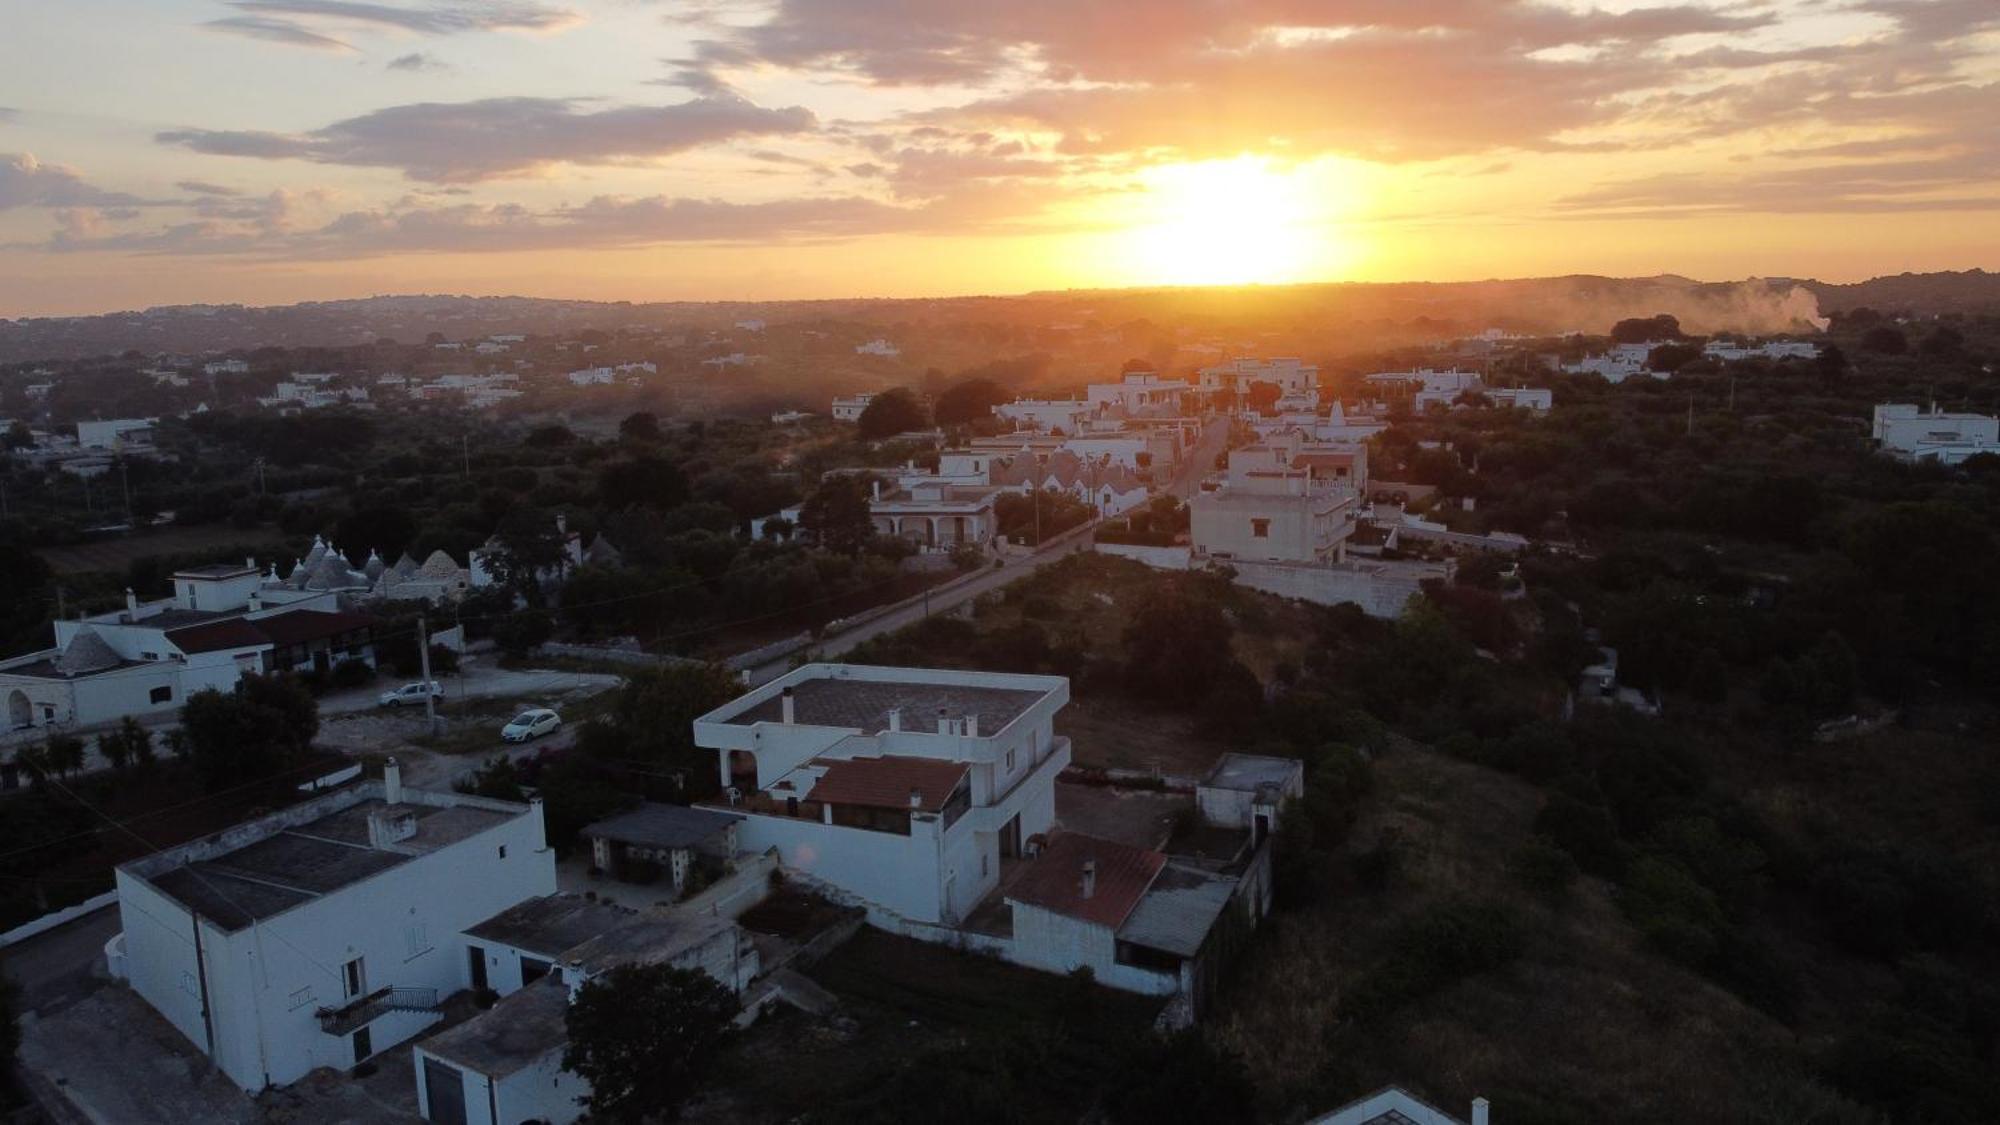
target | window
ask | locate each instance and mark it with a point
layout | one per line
(1010, 761)
(353, 978)
(161, 694)
(1260, 529)
(149, 656)
(503, 851)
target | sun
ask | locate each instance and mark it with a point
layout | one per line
(1223, 222)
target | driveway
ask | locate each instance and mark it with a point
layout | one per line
(478, 679)
(1201, 461)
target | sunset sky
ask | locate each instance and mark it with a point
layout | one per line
(267, 151)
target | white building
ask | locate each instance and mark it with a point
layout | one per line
(323, 934)
(1138, 395)
(222, 622)
(904, 788)
(1296, 380)
(1285, 501)
(116, 433)
(879, 347)
(1249, 791)
(848, 408)
(505, 1064)
(752, 325)
(936, 514)
(1910, 434)
(1051, 416)
(1770, 349)
(1622, 362)
(592, 376)
(226, 367)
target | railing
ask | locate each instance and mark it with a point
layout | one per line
(365, 1010)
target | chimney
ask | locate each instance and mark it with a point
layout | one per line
(895, 718)
(1089, 878)
(972, 726)
(250, 562)
(131, 604)
(392, 782)
(788, 707)
(256, 602)
(944, 723)
(916, 798)
(875, 489)
(387, 828)
(1479, 1111)
(572, 977)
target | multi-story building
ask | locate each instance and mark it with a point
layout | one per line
(848, 408)
(1296, 380)
(1282, 501)
(323, 934)
(1141, 394)
(1049, 416)
(124, 434)
(904, 788)
(1621, 362)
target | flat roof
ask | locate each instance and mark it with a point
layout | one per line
(864, 704)
(215, 570)
(1178, 910)
(1249, 772)
(656, 825)
(298, 863)
(552, 924)
(888, 782)
(512, 1035)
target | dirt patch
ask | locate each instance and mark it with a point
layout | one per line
(1119, 734)
(115, 555)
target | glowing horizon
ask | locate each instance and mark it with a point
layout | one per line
(269, 151)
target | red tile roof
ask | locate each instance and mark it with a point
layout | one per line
(1054, 881)
(886, 782)
(233, 632)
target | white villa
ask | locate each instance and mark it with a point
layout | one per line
(1052, 416)
(1770, 349)
(848, 408)
(1296, 380)
(878, 347)
(1284, 501)
(116, 433)
(1910, 434)
(1622, 362)
(1140, 394)
(323, 934)
(903, 787)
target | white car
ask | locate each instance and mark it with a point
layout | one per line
(531, 724)
(411, 693)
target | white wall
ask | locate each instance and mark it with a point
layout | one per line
(266, 981)
(901, 873)
(1057, 943)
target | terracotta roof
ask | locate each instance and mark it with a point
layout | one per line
(302, 625)
(232, 632)
(1054, 881)
(885, 783)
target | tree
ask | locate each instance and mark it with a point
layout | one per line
(643, 482)
(1177, 646)
(265, 724)
(1646, 329)
(529, 545)
(644, 1037)
(1885, 339)
(642, 426)
(520, 633)
(837, 514)
(550, 437)
(1671, 357)
(388, 528)
(890, 413)
(969, 401)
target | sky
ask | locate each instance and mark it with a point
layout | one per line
(270, 151)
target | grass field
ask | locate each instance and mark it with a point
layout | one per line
(113, 555)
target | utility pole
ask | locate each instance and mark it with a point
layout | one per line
(424, 659)
(1690, 429)
(125, 484)
(465, 451)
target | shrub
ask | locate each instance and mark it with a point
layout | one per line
(1544, 868)
(1438, 948)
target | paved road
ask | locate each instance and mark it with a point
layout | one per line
(1201, 461)
(54, 969)
(1016, 568)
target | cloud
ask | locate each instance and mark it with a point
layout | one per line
(418, 61)
(203, 187)
(27, 182)
(497, 138)
(268, 229)
(289, 32)
(435, 19)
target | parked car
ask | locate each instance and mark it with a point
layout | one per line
(411, 693)
(531, 724)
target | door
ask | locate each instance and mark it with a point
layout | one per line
(1010, 838)
(444, 1093)
(322, 661)
(1263, 827)
(476, 961)
(353, 978)
(364, 1045)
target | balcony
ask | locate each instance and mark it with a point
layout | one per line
(364, 1010)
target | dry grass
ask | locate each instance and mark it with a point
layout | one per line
(1587, 1026)
(114, 555)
